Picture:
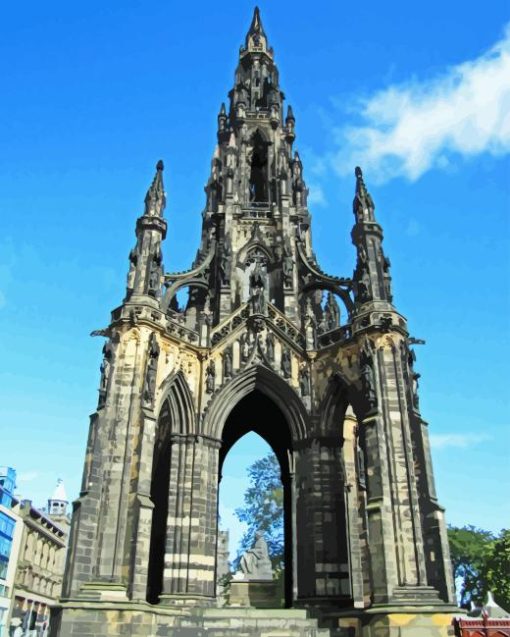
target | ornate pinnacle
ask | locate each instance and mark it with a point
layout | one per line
(290, 115)
(256, 24)
(155, 198)
(363, 204)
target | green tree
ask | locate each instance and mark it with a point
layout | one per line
(468, 550)
(263, 509)
(497, 568)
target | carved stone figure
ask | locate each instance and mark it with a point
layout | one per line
(368, 380)
(270, 346)
(286, 363)
(105, 369)
(244, 344)
(133, 261)
(332, 312)
(287, 266)
(255, 563)
(416, 385)
(154, 286)
(304, 381)
(149, 389)
(360, 460)
(225, 264)
(210, 378)
(364, 286)
(257, 286)
(227, 364)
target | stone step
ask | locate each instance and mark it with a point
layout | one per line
(249, 622)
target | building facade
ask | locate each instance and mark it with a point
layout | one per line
(31, 581)
(321, 366)
(10, 540)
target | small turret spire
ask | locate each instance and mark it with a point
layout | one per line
(256, 38)
(155, 200)
(256, 25)
(363, 204)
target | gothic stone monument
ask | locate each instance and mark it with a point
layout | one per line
(320, 366)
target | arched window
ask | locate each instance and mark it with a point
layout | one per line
(258, 170)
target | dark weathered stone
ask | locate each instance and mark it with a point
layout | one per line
(365, 537)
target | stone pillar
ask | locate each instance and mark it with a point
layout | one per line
(437, 550)
(141, 508)
(352, 506)
(82, 538)
(192, 520)
(323, 568)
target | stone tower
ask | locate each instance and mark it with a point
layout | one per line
(58, 505)
(320, 366)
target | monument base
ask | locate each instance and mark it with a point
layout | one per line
(254, 594)
(94, 618)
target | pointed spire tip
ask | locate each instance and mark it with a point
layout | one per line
(160, 166)
(358, 172)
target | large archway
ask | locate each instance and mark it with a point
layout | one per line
(258, 413)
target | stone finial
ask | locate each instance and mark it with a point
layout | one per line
(363, 205)
(256, 39)
(155, 199)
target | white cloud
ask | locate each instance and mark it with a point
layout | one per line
(407, 129)
(26, 476)
(316, 195)
(458, 441)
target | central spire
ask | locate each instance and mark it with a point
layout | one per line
(256, 37)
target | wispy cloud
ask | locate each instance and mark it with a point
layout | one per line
(316, 195)
(26, 476)
(458, 441)
(407, 129)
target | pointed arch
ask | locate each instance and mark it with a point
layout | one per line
(268, 383)
(175, 398)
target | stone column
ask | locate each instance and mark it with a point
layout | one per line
(437, 550)
(192, 520)
(323, 562)
(352, 505)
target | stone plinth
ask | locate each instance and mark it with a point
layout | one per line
(254, 593)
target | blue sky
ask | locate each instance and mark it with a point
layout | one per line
(417, 94)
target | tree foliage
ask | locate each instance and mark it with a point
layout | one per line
(481, 562)
(497, 569)
(263, 509)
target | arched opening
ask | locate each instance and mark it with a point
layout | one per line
(250, 501)
(258, 413)
(258, 171)
(159, 496)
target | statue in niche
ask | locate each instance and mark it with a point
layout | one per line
(255, 564)
(105, 369)
(286, 363)
(257, 289)
(133, 262)
(227, 364)
(149, 389)
(210, 378)
(360, 461)
(270, 346)
(287, 266)
(416, 385)
(363, 285)
(154, 287)
(368, 380)
(225, 263)
(304, 381)
(244, 345)
(332, 312)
